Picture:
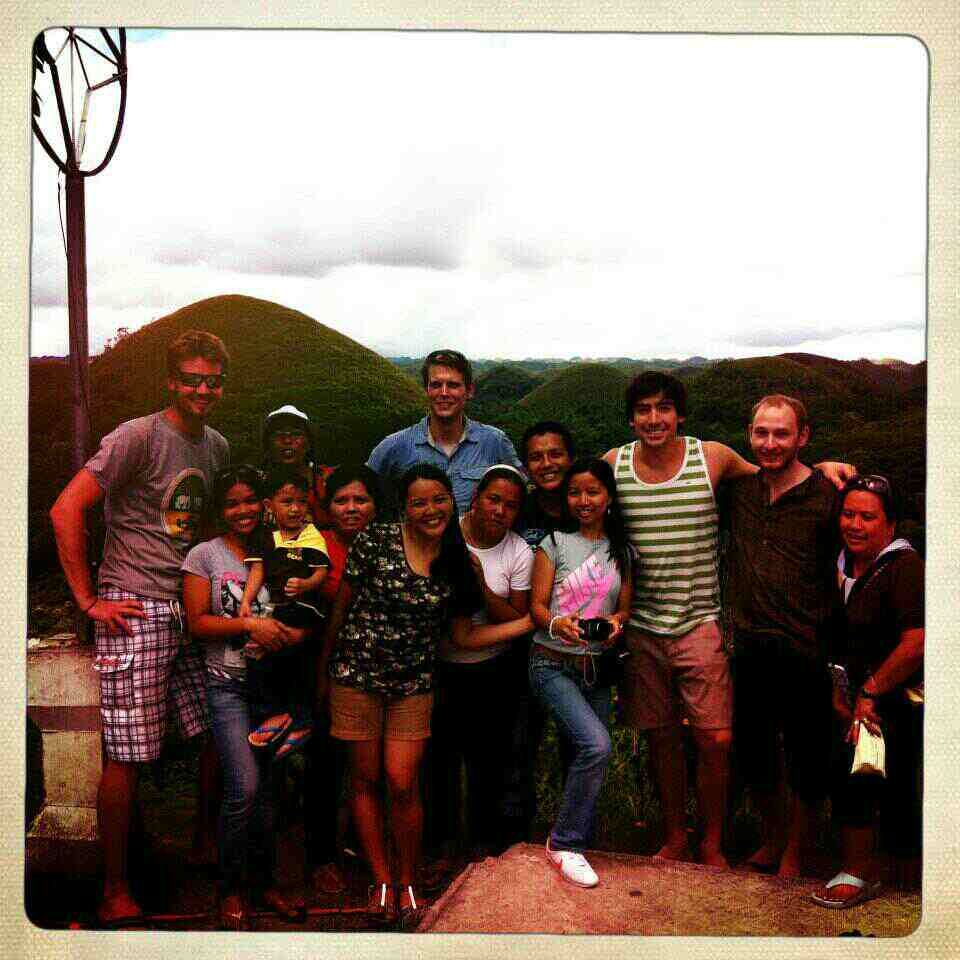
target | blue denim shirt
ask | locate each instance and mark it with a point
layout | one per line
(481, 447)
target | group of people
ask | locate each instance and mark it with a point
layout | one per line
(433, 606)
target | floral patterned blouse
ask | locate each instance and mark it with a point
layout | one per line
(388, 640)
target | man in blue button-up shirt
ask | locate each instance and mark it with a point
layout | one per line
(462, 448)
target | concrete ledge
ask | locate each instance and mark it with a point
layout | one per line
(63, 839)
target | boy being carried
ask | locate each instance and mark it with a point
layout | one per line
(293, 563)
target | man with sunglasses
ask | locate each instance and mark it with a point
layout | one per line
(461, 447)
(153, 474)
(780, 568)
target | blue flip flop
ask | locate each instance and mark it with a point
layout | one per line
(294, 741)
(276, 731)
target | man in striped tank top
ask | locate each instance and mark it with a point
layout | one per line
(666, 484)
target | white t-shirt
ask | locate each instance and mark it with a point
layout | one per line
(506, 566)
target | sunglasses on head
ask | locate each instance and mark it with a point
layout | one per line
(440, 357)
(871, 482)
(214, 381)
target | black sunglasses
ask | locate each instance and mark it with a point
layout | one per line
(872, 482)
(214, 381)
(441, 357)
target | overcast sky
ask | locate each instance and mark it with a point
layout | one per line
(511, 195)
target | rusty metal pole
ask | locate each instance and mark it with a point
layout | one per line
(77, 317)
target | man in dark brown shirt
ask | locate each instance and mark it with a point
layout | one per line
(781, 558)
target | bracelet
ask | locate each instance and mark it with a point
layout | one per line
(90, 606)
(550, 628)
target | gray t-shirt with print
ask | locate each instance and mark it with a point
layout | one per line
(215, 561)
(155, 481)
(585, 581)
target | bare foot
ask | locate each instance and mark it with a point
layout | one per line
(118, 907)
(765, 860)
(789, 863)
(713, 858)
(674, 851)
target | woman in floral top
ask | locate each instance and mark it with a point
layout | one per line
(404, 585)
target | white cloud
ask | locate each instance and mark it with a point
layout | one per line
(515, 195)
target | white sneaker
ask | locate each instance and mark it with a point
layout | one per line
(573, 867)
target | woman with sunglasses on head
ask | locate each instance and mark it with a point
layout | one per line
(405, 584)
(469, 678)
(877, 635)
(579, 602)
(213, 582)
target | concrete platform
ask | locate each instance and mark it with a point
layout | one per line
(521, 892)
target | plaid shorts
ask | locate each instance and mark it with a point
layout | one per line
(146, 676)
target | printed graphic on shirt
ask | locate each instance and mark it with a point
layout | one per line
(182, 505)
(231, 595)
(584, 589)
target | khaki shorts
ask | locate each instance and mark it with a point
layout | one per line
(358, 715)
(667, 677)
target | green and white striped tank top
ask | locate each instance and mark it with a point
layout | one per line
(673, 527)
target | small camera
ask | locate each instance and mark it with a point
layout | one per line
(595, 630)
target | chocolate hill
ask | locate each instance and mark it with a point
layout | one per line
(278, 356)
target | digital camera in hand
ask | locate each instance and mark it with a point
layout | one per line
(595, 630)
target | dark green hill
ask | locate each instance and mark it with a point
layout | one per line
(501, 387)
(721, 399)
(277, 356)
(854, 416)
(587, 397)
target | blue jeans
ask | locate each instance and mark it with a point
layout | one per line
(582, 713)
(247, 831)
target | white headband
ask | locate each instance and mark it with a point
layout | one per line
(505, 466)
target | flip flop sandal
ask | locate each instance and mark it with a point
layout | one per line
(410, 914)
(382, 902)
(233, 920)
(274, 730)
(328, 879)
(866, 890)
(295, 740)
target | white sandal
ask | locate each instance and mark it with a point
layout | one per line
(866, 890)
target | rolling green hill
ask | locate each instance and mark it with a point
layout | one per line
(587, 397)
(873, 415)
(277, 356)
(499, 388)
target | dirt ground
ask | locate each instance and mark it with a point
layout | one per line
(179, 894)
(517, 892)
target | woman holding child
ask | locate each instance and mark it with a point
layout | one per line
(579, 602)
(214, 578)
(404, 585)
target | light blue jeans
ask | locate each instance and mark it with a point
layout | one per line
(247, 831)
(582, 712)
